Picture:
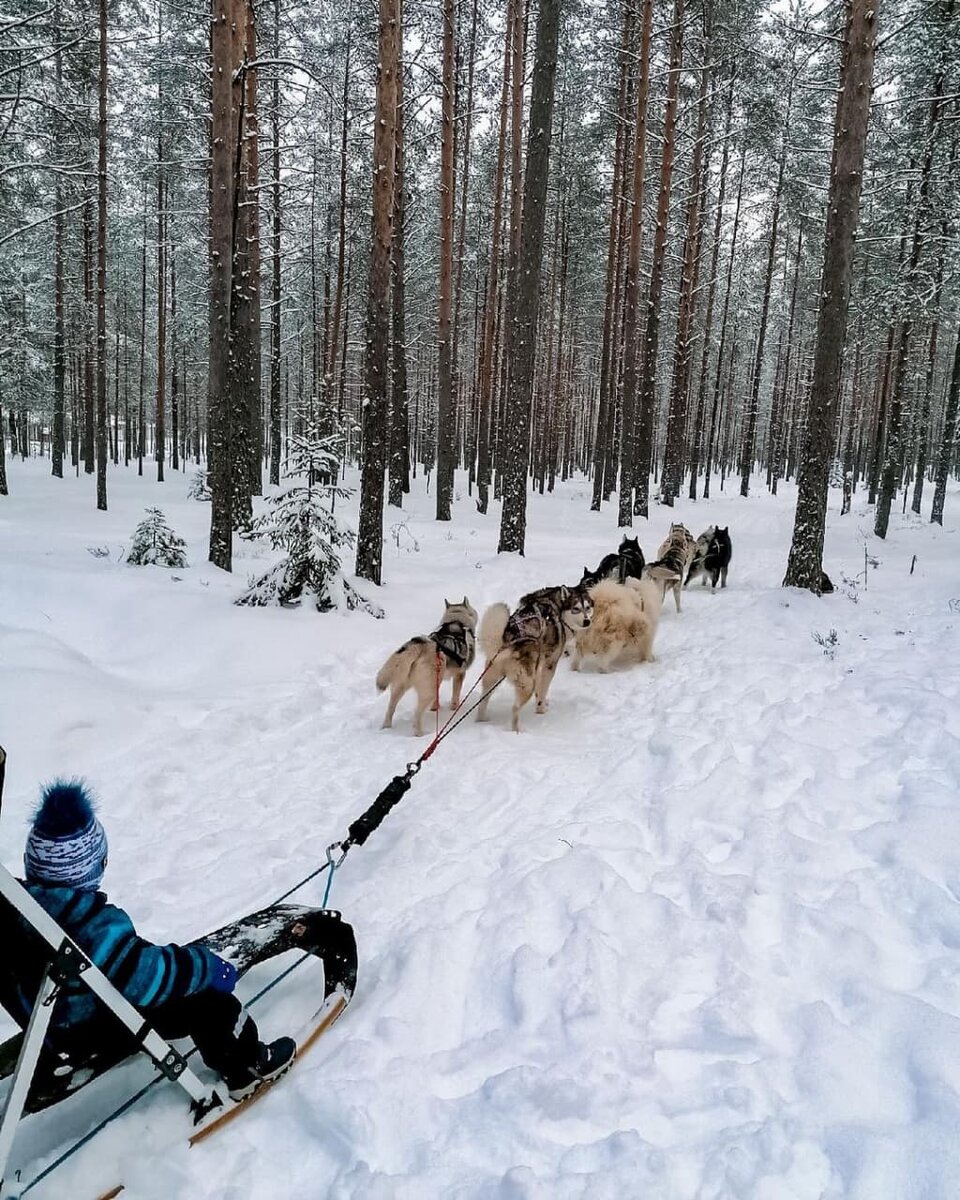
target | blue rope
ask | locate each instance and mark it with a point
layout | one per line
(326, 892)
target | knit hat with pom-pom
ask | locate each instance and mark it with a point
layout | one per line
(67, 845)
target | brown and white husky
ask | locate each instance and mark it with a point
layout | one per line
(424, 662)
(526, 645)
(673, 559)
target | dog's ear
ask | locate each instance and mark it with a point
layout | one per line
(466, 602)
(446, 603)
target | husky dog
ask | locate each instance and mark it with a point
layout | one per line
(699, 556)
(626, 563)
(624, 622)
(673, 558)
(424, 662)
(525, 646)
(711, 557)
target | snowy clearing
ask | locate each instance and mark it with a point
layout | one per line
(692, 934)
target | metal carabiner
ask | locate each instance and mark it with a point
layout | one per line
(343, 847)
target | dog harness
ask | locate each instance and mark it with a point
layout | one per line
(456, 641)
(535, 616)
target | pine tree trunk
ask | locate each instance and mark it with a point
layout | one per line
(753, 403)
(275, 348)
(602, 451)
(245, 300)
(399, 470)
(3, 457)
(778, 419)
(102, 267)
(948, 444)
(375, 408)
(923, 434)
(893, 455)
(59, 364)
(713, 427)
(446, 412)
(87, 448)
(464, 120)
(805, 564)
(628, 432)
(698, 433)
(524, 305)
(644, 457)
(338, 296)
(174, 376)
(673, 451)
(517, 81)
(487, 364)
(226, 40)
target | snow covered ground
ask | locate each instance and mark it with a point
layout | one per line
(692, 934)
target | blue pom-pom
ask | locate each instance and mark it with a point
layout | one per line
(66, 808)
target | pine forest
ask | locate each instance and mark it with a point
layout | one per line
(674, 246)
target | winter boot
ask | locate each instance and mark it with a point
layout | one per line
(272, 1060)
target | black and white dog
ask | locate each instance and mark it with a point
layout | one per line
(627, 563)
(711, 558)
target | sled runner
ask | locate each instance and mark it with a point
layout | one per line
(51, 959)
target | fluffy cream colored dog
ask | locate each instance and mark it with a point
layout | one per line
(624, 624)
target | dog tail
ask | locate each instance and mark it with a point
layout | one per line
(399, 665)
(492, 626)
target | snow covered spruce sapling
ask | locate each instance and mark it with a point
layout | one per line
(155, 543)
(301, 522)
(199, 488)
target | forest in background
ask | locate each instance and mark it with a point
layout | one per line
(522, 240)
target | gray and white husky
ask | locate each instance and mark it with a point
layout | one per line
(526, 645)
(424, 662)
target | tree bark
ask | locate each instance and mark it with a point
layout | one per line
(525, 303)
(698, 433)
(275, 310)
(602, 450)
(948, 445)
(673, 450)
(102, 266)
(226, 37)
(87, 444)
(753, 404)
(628, 433)
(59, 363)
(640, 477)
(805, 563)
(488, 342)
(446, 412)
(399, 469)
(893, 454)
(370, 534)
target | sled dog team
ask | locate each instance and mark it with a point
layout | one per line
(611, 615)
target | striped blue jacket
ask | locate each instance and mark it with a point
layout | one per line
(147, 975)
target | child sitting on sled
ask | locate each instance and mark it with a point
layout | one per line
(184, 991)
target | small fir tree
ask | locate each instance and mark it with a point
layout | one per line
(155, 544)
(301, 522)
(199, 488)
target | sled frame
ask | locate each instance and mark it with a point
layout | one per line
(68, 962)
